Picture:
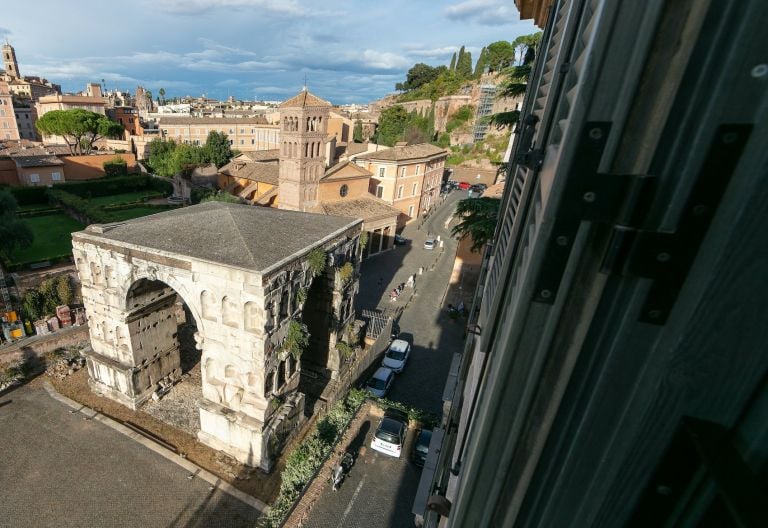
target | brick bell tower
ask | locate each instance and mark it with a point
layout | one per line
(303, 130)
(10, 63)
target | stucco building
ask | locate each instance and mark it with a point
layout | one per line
(8, 128)
(245, 134)
(407, 177)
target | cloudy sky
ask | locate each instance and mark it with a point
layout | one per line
(349, 50)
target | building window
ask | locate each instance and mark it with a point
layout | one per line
(400, 191)
(231, 130)
(413, 190)
(402, 172)
(410, 211)
(56, 176)
(343, 190)
(242, 142)
(253, 142)
(381, 171)
(418, 167)
(242, 131)
(34, 178)
(231, 141)
(379, 191)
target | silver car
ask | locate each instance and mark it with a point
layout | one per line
(397, 355)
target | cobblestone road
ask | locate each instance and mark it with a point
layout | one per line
(381, 489)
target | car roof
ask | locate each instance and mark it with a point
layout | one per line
(382, 373)
(399, 345)
(396, 414)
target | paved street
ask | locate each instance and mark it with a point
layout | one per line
(381, 489)
(60, 469)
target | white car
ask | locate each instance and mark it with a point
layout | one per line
(380, 382)
(397, 355)
(430, 243)
(390, 434)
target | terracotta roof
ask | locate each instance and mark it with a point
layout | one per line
(260, 171)
(263, 155)
(303, 99)
(356, 148)
(423, 150)
(369, 208)
(37, 161)
(256, 239)
(25, 151)
(345, 170)
(257, 120)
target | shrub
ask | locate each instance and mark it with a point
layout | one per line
(346, 272)
(302, 464)
(316, 261)
(115, 167)
(345, 349)
(296, 339)
(29, 195)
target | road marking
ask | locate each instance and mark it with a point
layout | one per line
(351, 502)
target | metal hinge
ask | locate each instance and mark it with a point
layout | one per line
(622, 201)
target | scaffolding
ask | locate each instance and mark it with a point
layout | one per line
(484, 109)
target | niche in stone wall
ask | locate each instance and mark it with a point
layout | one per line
(229, 312)
(208, 306)
(251, 316)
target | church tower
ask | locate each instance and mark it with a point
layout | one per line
(9, 61)
(303, 130)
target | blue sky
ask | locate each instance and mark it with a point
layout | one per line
(349, 50)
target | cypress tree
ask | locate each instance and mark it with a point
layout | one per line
(464, 64)
(453, 62)
(481, 61)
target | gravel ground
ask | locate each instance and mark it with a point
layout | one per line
(179, 407)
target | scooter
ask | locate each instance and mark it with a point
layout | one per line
(341, 470)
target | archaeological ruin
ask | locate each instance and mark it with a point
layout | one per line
(250, 278)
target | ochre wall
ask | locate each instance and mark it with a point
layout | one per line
(91, 167)
(329, 191)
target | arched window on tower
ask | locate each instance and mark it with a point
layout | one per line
(306, 151)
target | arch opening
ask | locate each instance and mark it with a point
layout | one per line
(162, 330)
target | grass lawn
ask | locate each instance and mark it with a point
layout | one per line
(134, 212)
(123, 198)
(52, 238)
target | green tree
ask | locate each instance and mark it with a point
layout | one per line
(217, 149)
(186, 157)
(392, 124)
(500, 55)
(525, 45)
(14, 233)
(162, 94)
(50, 296)
(482, 60)
(464, 64)
(514, 85)
(419, 75)
(221, 196)
(64, 290)
(357, 132)
(161, 157)
(32, 304)
(453, 62)
(478, 220)
(79, 128)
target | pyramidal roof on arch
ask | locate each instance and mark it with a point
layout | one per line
(242, 236)
(304, 99)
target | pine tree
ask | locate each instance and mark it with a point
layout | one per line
(481, 61)
(464, 64)
(453, 62)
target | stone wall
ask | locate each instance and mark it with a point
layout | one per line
(41, 345)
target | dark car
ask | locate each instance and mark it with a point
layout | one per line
(421, 447)
(390, 433)
(446, 188)
(400, 240)
(479, 188)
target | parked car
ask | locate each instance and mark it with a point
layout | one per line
(397, 355)
(464, 186)
(421, 447)
(453, 183)
(400, 240)
(379, 383)
(430, 243)
(478, 188)
(390, 433)
(446, 188)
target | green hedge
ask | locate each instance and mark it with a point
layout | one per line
(29, 195)
(116, 185)
(93, 213)
(116, 167)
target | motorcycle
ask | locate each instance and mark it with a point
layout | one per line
(340, 470)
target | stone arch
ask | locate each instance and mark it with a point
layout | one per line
(251, 316)
(208, 305)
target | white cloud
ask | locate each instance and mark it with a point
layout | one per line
(432, 53)
(190, 7)
(484, 12)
